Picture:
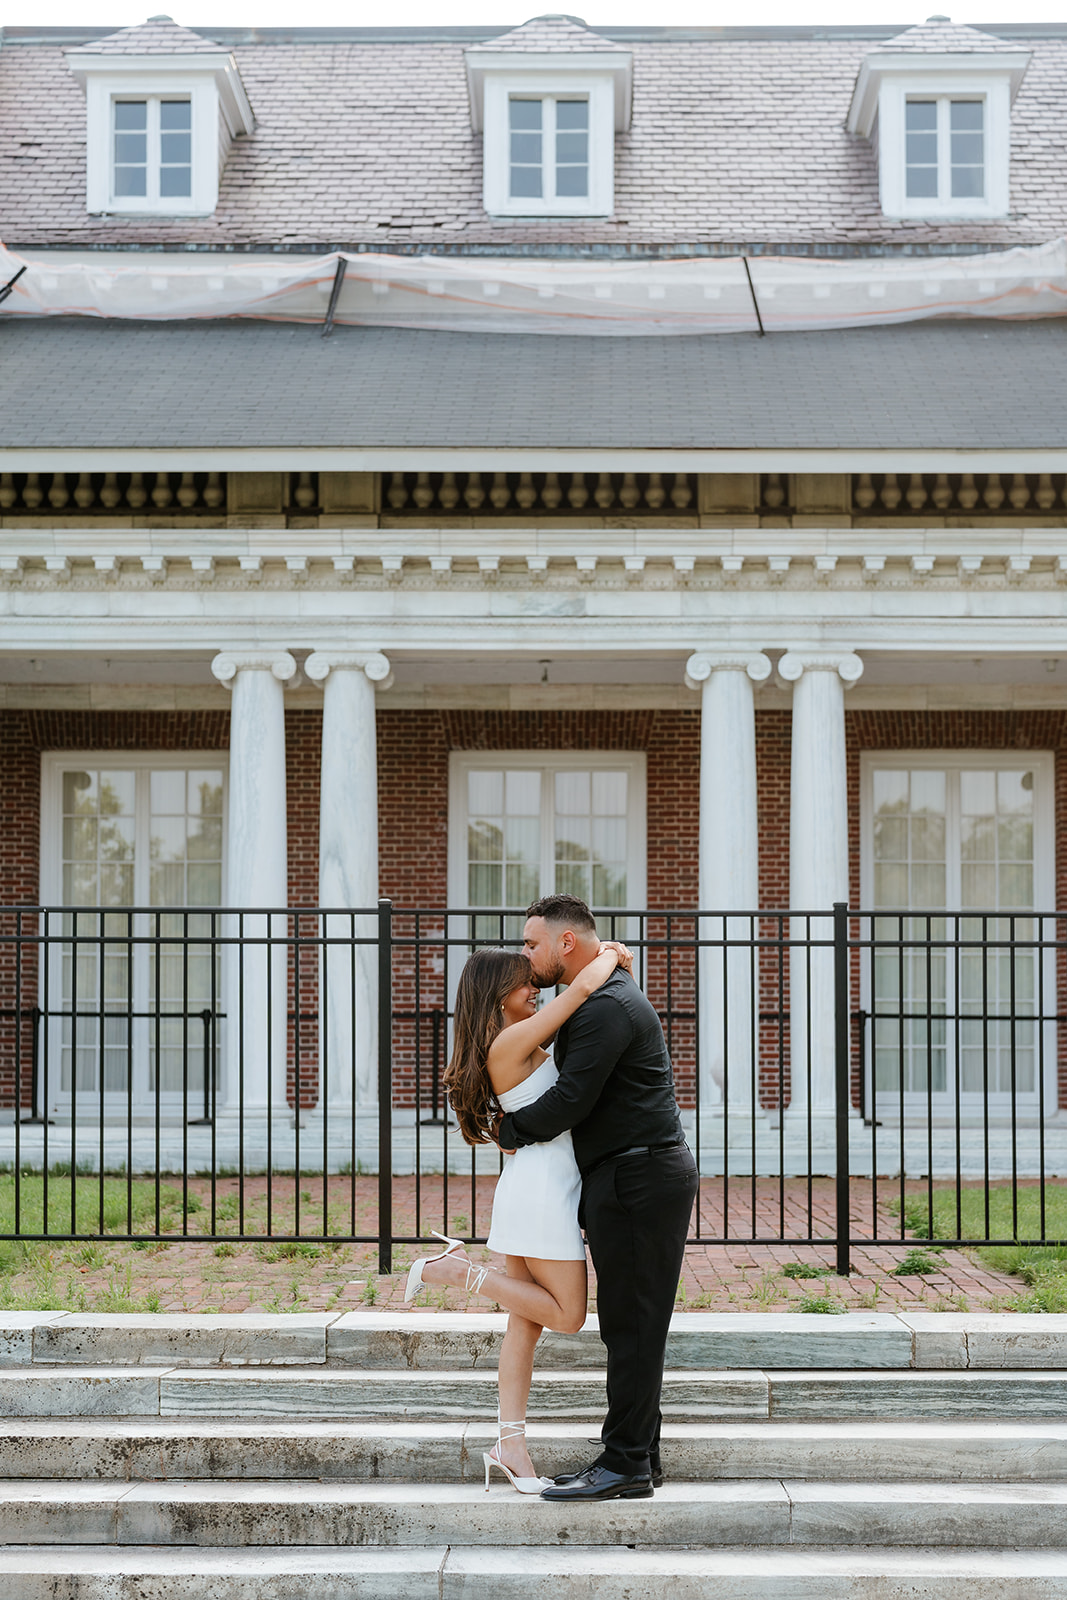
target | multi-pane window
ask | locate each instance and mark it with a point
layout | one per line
(141, 844)
(524, 830)
(152, 149)
(944, 149)
(548, 149)
(964, 840)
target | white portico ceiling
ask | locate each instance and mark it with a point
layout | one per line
(183, 680)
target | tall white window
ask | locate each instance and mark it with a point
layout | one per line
(152, 149)
(944, 149)
(549, 148)
(525, 824)
(969, 835)
(131, 847)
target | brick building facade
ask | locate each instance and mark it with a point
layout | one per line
(484, 594)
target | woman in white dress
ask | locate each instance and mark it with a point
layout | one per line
(499, 1063)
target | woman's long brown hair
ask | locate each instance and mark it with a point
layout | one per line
(484, 984)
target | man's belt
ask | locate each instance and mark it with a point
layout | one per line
(634, 1150)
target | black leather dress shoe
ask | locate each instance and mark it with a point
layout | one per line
(580, 1472)
(598, 1483)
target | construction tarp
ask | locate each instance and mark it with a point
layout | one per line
(536, 295)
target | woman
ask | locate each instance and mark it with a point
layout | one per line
(499, 1063)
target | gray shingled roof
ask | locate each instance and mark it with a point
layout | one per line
(87, 383)
(556, 34)
(159, 36)
(732, 139)
(952, 37)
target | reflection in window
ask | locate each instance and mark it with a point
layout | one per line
(548, 148)
(534, 831)
(944, 149)
(147, 837)
(959, 839)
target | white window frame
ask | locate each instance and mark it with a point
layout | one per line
(634, 762)
(53, 764)
(153, 140)
(995, 96)
(599, 91)
(101, 94)
(1043, 766)
(56, 762)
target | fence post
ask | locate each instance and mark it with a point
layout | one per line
(842, 1083)
(385, 1086)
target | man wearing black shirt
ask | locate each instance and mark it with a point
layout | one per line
(615, 1093)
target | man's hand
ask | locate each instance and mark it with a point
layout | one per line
(624, 953)
(494, 1130)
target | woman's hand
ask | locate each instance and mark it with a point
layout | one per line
(624, 953)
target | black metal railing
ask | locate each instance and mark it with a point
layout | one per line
(846, 1077)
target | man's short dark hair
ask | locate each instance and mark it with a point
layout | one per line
(564, 911)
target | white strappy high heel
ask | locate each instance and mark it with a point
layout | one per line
(476, 1276)
(414, 1283)
(515, 1430)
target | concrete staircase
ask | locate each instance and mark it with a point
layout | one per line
(339, 1456)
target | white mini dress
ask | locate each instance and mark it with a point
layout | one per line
(535, 1207)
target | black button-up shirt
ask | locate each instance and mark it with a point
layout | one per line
(616, 1086)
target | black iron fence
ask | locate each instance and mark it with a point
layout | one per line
(845, 1078)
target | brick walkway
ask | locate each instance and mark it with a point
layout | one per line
(275, 1276)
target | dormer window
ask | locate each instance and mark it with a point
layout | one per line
(549, 155)
(152, 149)
(549, 98)
(938, 101)
(163, 106)
(944, 149)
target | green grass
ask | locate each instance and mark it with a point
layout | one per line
(104, 1206)
(804, 1269)
(1012, 1214)
(916, 1264)
(820, 1302)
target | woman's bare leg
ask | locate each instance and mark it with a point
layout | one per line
(514, 1377)
(554, 1297)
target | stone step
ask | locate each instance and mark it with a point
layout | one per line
(76, 1572)
(423, 1395)
(757, 1513)
(154, 1449)
(439, 1341)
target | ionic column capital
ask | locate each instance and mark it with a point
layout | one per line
(847, 665)
(228, 663)
(701, 665)
(321, 663)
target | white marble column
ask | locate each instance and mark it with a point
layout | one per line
(818, 862)
(348, 871)
(729, 872)
(254, 981)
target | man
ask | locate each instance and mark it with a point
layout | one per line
(615, 1093)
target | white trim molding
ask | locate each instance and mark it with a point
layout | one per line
(220, 113)
(887, 80)
(597, 90)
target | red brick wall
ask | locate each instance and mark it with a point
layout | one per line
(413, 798)
(413, 751)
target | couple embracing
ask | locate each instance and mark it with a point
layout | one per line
(598, 1144)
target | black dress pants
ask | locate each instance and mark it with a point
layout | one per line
(636, 1211)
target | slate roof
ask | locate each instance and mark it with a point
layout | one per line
(157, 36)
(945, 36)
(87, 383)
(365, 139)
(555, 33)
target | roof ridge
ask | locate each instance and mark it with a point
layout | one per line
(941, 33)
(556, 32)
(159, 35)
